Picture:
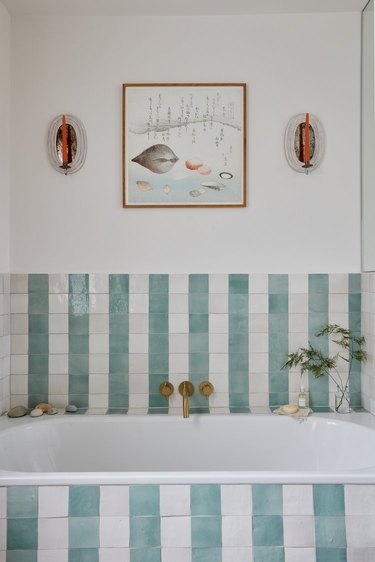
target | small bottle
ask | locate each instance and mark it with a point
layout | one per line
(303, 400)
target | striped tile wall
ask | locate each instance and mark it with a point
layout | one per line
(182, 523)
(4, 341)
(106, 342)
(368, 330)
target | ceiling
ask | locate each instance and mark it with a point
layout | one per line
(176, 7)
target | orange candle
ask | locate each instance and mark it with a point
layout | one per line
(307, 138)
(64, 141)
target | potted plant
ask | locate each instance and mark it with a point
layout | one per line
(313, 360)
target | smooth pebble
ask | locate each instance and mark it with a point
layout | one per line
(36, 413)
(17, 412)
(52, 411)
(70, 408)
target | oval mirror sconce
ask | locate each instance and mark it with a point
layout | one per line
(304, 143)
(67, 144)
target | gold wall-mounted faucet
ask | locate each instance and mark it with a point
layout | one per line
(206, 388)
(186, 389)
(166, 389)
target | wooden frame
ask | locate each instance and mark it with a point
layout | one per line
(184, 145)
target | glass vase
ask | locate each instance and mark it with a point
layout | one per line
(342, 401)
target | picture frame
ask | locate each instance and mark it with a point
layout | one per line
(184, 145)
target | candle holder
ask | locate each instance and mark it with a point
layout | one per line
(67, 149)
(304, 157)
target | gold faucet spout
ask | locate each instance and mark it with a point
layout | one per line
(186, 389)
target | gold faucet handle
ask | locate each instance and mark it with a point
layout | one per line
(166, 389)
(186, 388)
(206, 388)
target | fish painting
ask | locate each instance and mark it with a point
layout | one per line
(158, 158)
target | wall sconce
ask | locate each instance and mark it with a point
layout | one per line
(304, 143)
(67, 144)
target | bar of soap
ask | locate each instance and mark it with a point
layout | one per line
(289, 408)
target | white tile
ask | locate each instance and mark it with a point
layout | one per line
(258, 303)
(178, 343)
(58, 364)
(178, 323)
(300, 555)
(58, 283)
(53, 501)
(258, 323)
(298, 283)
(178, 362)
(19, 283)
(138, 303)
(58, 385)
(220, 382)
(138, 283)
(3, 503)
(359, 555)
(98, 384)
(178, 303)
(217, 303)
(53, 533)
(236, 499)
(58, 304)
(258, 343)
(175, 531)
(296, 340)
(53, 555)
(138, 343)
(19, 384)
(238, 554)
(258, 283)
(114, 532)
(58, 323)
(218, 363)
(218, 323)
(19, 304)
(175, 555)
(360, 531)
(98, 303)
(179, 283)
(19, 324)
(218, 283)
(258, 362)
(218, 343)
(138, 383)
(138, 363)
(298, 303)
(58, 343)
(236, 530)
(19, 364)
(138, 401)
(299, 530)
(98, 343)
(360, 499)
(138, 323)
(99, 323)
(114, 555)
(339, 283)
(338, 303)
(114, 501)
(98, 363)
(298, 323)
(98, 282)
(174, 500)
(19, 345)
(98, 402)
(298, 499)
(259, 382)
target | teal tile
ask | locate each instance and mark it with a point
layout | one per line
(198, 343)
(118, 303)
(198, 363)
(118, 402)
(239, 283)
(145, 555)
(206, 555)
(119, 324)
(318, 283)
(331, 555)
(22, 501)
(198, 283)
(22, 534)
(35, 399)
(158, 343)
(38, 283)
(198, 303)
(79, 303)
(38, 343)
(277, 323)
(158, 323)
(267, 530)
(83, 555)
(238, 304)
(155, 381)
(83, 532)
(78, 283)
(78, 324)
(329, 499)
(278, 304)
(355, 283)
(38, 323)
(205, 499)
(144, 500)
(119, 283)
(269, 554)
(144, 532)
(330, 532)
(278, 343)
(278, 284)
(355, 302)
(277, 399)
(159, 364)
(38, 303)
(318, 303)
(279, 381)
(239, 403)
(118, 343)
(38, 364)
(118, 363)
(78, 364)
(83, 501)
(158, 303)
(238, 323)
(238, 343)
(21, 556)
(238, 364)
(206, 532)
(355, 321)
(198, 323)
(158, 283)
(78, 384)
(267, 499)
(78, 344)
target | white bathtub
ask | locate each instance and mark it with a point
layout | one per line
(203, 449)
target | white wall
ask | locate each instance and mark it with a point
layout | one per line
(4, 137)
(291, 63)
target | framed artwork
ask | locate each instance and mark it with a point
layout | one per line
(184, 145)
